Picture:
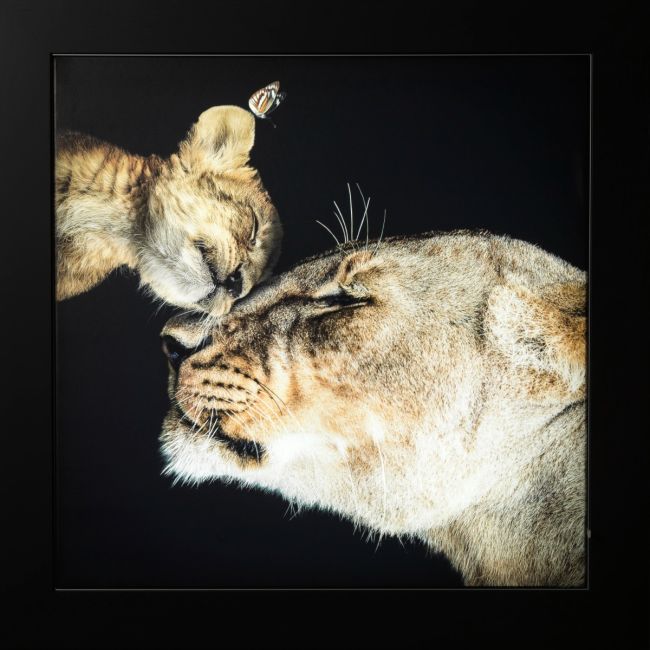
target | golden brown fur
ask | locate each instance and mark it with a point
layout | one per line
(435, 389)
(199, 228)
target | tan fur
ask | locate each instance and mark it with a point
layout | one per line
(445, 400)
(184, 224)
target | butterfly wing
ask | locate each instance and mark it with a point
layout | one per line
(260, 101)
(275, 87)
(276, 102)
(266, 100)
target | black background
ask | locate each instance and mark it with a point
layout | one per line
(440, 142)
(35, 615)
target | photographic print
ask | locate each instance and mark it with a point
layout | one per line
(321, 321)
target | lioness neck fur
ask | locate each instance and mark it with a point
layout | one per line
(434, 389)
(198, 227)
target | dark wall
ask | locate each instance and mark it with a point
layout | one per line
(500, 143)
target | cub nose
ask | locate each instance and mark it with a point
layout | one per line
(177, 351)
(234, 283)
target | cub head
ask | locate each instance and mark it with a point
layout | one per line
(370, 383)
(210, 232)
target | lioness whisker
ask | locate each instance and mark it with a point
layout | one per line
(381, 234)
(320, 223)
(367, 230)
(365, 213)
(185, 400)
(209, 422)
(353, 485)
(342, 224)
(239, 421)
(351, 213)
(204, 324)
(271, 394)
(289, 411)
(197, 431)
(186, 397)
(347, 235)
(157, 310)
(383, 478)
(290, 507)
(270, 415)
(295, 510)
(231, 414)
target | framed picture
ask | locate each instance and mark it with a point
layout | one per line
(526, 123)
(361, 150)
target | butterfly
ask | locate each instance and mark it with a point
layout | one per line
(265, 100)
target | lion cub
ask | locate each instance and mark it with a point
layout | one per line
(198, 227)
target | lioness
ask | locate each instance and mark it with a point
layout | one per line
(432, 387)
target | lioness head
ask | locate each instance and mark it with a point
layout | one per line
(403, 386)
(210, 232)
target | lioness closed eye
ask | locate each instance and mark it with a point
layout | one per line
(434, 389)
(199, 227)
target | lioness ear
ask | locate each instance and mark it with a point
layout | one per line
(221, 139)
(546, 333)
(352, 265)
(348, 278)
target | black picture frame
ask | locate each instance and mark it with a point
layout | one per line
(40, 616)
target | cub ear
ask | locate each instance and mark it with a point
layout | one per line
(221, 139)
(545, 332)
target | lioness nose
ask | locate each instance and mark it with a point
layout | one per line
(177, 351)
